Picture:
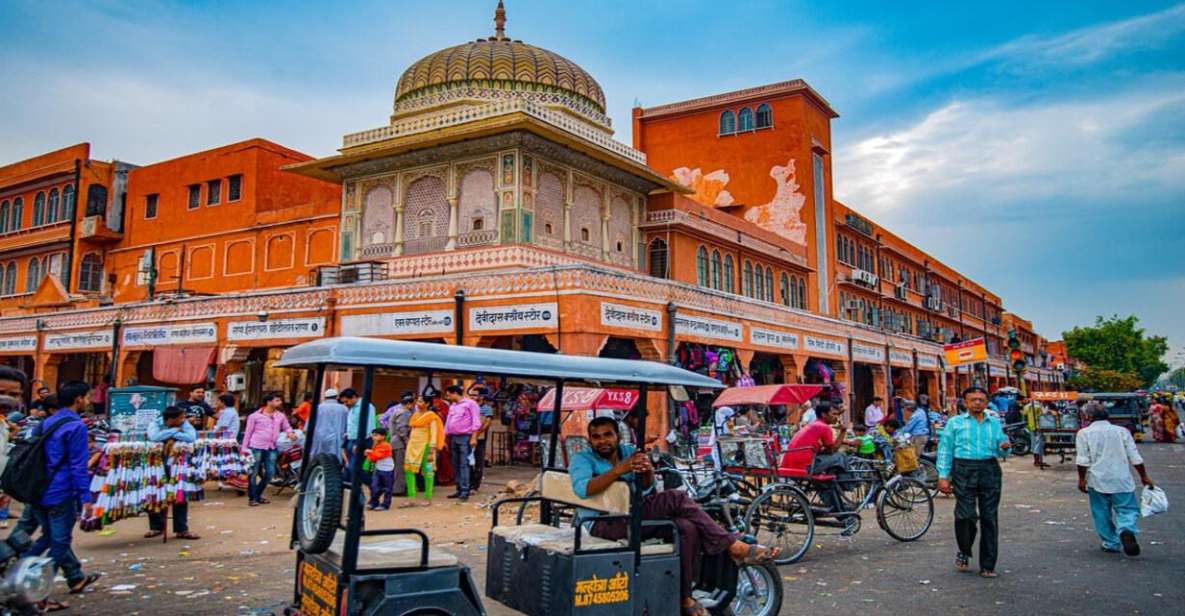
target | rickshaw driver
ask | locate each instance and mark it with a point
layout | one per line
(592, 471)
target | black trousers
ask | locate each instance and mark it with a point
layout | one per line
(977, 485)
(479, 467)
(156, 519)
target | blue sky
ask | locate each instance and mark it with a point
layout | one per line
(1037, 147)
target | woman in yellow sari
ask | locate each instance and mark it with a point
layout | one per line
(426, 438)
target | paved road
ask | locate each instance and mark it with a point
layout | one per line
(1050, 559)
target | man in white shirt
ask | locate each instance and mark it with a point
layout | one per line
(874, 414)
(1104, 453)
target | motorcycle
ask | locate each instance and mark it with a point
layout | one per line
(1022, 443)
(24, 582)
(288, 468)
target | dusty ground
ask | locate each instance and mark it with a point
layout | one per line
(1050, 560)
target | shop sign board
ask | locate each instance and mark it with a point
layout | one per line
(154, 335)
(137, 408)
(94, 339)
(704, 327)
(18, 344)
(997, 371)
(398, 323)
(873, 354)
(630, 317)
(773, 338)
(313, 327)
(517, 316)
(901, 358)
(927, 361)
(825, 346)
(967, 352)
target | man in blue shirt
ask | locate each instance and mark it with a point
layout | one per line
(593, 470)
(968, 460)
(172, 426)
(917, 427)
(353, 401)
(69, 485)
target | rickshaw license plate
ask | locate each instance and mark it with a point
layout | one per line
(318, 590)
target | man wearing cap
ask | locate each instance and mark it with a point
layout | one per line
(331, 427)
(398, 430)
(1104, 451)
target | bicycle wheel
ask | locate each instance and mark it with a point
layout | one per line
(927, 473)
(759, 591)
(861, 473)
(781, 517)
(905, 509)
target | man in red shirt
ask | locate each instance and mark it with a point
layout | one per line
(818, 435)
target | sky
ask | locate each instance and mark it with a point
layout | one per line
(1039, 148)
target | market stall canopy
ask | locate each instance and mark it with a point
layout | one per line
(590, 399)
(181, 366)
(451, 359)
(767, 394)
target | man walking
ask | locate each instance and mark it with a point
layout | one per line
(460, 431)
(1104, 453)
(1031, 413)
(350, 398)
(172, 426)
(263, 430)
(69, 484)
(968, 459)
(398, 430)
(331, 427)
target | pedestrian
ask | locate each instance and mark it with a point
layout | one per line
(917, 427)
(873, 413)
(227, 416)
(12, 392)
(398, 431)
(460, 431)
(305, 407)
(350, 398)
(99, 395)
(479, 449)
(197, 411)
(42, 402)
(968, 463)
(1104, 451)
(263, 431)
(1031, 413)
(331, 427)
(69, 486)
(172, 427)
(424, 441)
(383, 475)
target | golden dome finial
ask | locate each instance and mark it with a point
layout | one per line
(500, 21)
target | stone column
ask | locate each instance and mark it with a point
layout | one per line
(398, 230)
(452, 224)
(567, 226)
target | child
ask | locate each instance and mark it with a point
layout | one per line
(884, 437)
(864, 443)
(383, 479)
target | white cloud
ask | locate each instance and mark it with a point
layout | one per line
(987, 152)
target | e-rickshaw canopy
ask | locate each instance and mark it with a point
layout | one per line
(590, 399)
(446, 358)
(772, 395)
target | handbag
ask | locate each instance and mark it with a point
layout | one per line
(905, 459)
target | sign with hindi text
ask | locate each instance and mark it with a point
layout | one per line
(630, 317)
(398, 323)
(704, 327)
(773, 338)
(313, 327)
(155, 335)
(518, 316)
(825, 346)
(18, 344)
(95, 339)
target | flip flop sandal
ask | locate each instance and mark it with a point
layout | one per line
(187, 535)
(988, 574)
(753, 558)
(961, 562)
(49, 605)
(76, 589)
(263, 501)
(152, 534)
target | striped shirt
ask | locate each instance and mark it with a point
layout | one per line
(964, 438)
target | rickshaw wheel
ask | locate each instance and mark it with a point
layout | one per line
(320, 505)
(759, 591)
(905, 509)
(781, 517)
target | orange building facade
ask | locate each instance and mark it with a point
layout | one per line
(495, 208)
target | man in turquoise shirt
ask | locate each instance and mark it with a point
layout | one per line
(968, 456)
(353, 401)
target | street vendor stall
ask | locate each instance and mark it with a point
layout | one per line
(749, 451)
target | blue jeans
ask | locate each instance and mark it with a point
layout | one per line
(57, 527)
(261, 472)
(458, 446)
(1113, 514)
(350, 445)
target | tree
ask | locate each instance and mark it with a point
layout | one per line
(1119, 344)
(1102, 380)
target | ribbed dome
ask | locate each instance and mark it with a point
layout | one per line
(494, 68)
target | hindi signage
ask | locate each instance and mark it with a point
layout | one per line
(704, 327)
(997, 371)
(773, 338)
(18, 344)
(825, 346)
(313, 327)
(155, 335)
(95, 339)
(867, 353)
(398, 323)
(631, 317)
(901, 358)
(518, 316)
(926, 360)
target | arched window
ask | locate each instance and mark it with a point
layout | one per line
(68, 202)
(758, 283)
(32, 275)
(10, 278)
(747, 280)
(3, 217)
(90, 274)
(701, 266)
(769, 284)
(39, 209)
(716, 269)
(765, 116)
(745, 119)
(728, 123)
(794, 291)
(728, 286)
(51, 213)
(18, 212)
(802, 293)
(785, 287)
(658, 258)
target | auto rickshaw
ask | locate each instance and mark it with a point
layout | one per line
(550, 567)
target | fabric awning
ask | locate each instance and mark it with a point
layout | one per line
(590, 398)
(181, 365)
(767, 394)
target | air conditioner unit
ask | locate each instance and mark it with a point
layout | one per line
(900, 291)
(933, 303)
(864, 277)
(236, 381)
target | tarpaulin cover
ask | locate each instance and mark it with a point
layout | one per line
(767, 394)
(181, 365)
(590, 398)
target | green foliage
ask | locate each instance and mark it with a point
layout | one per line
(1103, 380)
(1119, 345)
(1177, 377)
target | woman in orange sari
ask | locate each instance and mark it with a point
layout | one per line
(1171, 420)
(424, 441)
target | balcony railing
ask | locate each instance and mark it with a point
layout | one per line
(477, 238)
(378, 250)
(423, 245)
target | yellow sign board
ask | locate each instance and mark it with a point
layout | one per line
(967, 352)
(597, 591)
(1050, 396)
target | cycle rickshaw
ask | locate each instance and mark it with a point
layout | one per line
(541, 568)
